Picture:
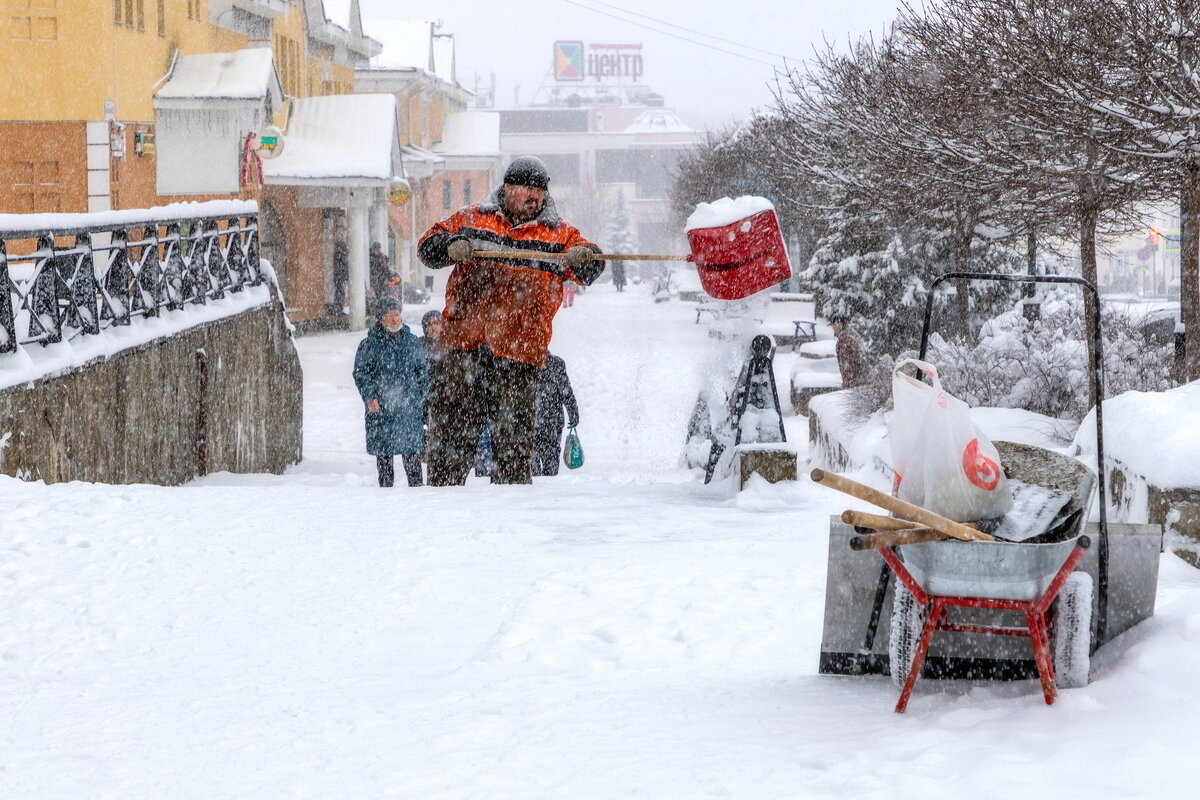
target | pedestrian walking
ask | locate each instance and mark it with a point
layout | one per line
(341, 274)
(498, 321)
(554, 395)
(391, 376)
(618, 275)
(379, 270)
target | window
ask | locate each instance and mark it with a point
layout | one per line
(117, 10)
(564, 168)
(128, 13)
(35, 21)
(447, 196)
(22, 29)
(467, 192)
(37, 186)
(287, 57)
(141, 15)
(162, 18)
(194, 11)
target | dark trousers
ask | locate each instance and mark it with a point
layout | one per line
(339, 294)
(412, 469)
(547, 450)
(467, 388)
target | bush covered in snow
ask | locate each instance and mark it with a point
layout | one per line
(1041, 364)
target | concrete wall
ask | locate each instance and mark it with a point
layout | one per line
(225, 396)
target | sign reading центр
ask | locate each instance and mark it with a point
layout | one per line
(575, 61)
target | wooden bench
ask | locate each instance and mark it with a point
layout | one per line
(706, 308)
(805, 330)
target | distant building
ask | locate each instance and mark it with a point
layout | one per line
(450, 156)
(604, 134)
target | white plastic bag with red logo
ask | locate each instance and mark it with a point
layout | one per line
(942, 462)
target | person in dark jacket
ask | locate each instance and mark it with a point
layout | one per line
(554, 393)
(390, 373)
(341, 274)
(618, 274)
(378, 269)
(431, 326)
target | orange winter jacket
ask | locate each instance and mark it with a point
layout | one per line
(507, 304)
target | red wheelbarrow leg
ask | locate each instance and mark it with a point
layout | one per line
(1041, 653)
(914, 671)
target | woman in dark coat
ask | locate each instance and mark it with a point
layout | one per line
(390, 373)
(554, 393)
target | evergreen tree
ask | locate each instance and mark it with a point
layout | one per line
(620, 238)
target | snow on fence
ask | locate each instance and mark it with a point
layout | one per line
(145, 346)
(88, 272)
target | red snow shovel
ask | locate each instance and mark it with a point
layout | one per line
(734, 260)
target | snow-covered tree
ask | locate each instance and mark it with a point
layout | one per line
(620, 237)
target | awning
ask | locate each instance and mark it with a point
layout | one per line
(420, 163)
(205, 79)
(338, 140)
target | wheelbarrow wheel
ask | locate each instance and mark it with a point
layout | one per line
(1071, 618)
(907, 623)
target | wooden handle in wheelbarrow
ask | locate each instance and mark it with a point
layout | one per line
(861, 519)
(897, 506)
(869, 541)
(534, 255)
(876, 522)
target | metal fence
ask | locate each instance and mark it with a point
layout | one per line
(114, 273)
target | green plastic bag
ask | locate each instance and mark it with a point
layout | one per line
(572, 450)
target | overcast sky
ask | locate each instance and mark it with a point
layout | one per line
(709, 81)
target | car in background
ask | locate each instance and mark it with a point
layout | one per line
(407, 291)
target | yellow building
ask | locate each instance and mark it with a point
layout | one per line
(85, 72)
(99, 95)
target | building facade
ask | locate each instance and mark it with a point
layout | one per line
(608, 140)
(118, 104)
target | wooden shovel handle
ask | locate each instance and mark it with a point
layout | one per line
(861, 519)
(534, 255)
(869, 541)
(875, 522)
(898, 506)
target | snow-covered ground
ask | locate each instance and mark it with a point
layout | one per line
(620, 631)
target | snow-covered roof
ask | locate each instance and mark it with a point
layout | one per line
(405, 44)
(239, 75)
(338, 12)
(470, 133)
(338, 137)
(658, 121)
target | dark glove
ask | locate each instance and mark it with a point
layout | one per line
(460, 250)
(578, 255)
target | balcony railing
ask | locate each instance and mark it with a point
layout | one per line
(123, 267)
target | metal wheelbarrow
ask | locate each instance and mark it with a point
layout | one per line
(1053, 582)
(936, 573)
(1026, 576)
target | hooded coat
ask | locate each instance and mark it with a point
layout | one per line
(391, 368)
(507, 304)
